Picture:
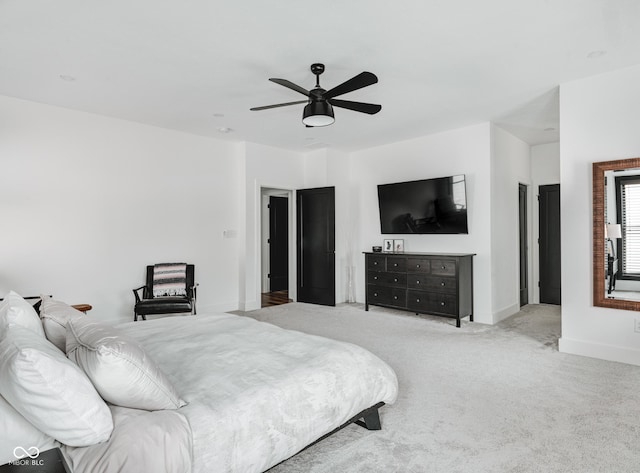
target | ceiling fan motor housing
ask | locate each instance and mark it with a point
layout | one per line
(317, 94)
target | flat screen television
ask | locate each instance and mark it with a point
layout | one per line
(425, 206)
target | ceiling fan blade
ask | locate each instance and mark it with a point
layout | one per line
(369, 108)
(255, 109)
(358, 82)
(291, 85)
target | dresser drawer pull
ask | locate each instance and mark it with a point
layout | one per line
(395, 279)
(375, 294)
(417, 265)
(395, 298)
(375, 263)
(444, 267)
(375, 278)
(442, 303)
(417, 300)
(395, 264)
(418, 281)
(442, 283)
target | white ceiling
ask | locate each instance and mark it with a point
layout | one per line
(199, 65)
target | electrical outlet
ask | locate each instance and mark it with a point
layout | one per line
(636, 326)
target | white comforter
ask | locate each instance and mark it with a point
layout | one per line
(258, 394)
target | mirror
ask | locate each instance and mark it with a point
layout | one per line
(616, 281)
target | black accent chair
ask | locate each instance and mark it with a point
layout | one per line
(149, 305)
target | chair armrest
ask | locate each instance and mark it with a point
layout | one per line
(194, 297)
(136, 292)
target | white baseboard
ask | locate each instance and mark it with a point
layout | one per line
(599, 350)
(506, 313)
(216, 308)
(248, 306)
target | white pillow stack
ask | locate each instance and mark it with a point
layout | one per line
(119, 368)
(47, 398)
(50, 391)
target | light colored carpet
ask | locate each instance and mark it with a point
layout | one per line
(477, 398)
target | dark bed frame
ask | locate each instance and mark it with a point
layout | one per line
(368, 418)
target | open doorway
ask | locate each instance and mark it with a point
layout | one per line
(275, 232)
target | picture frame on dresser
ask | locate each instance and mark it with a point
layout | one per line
(387, 245)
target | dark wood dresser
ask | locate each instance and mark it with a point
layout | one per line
(424, 283)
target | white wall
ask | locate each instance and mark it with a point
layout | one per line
(338, 175)
(462, 151)
(599, 121)
(510, 166)
(88, 201)
(545, 169)
(274, 168)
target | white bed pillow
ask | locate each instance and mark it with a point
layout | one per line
(119, 368)
(55, 315)
(50, 391)
(16, 431)
(15, 310)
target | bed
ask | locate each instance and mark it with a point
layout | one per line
(254, 395)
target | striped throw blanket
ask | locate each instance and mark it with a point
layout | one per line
(170, 279)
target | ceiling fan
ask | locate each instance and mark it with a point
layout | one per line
(320, 102)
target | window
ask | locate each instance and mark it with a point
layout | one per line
(628, 189)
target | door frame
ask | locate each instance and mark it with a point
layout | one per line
(523, 233)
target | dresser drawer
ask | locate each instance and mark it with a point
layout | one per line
(442, 267)
(431, 283)
(432, 302)
(386, 295)
(376, 262)
(387, 279)
(396, 264)
(418, 265)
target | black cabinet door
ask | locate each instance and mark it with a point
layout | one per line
(315, 210)
(550, 281)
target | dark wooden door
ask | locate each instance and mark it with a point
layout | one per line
(278, 243)
(315, 210)
(550, 281)
(524, 245)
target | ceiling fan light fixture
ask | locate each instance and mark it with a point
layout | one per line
(318, 113)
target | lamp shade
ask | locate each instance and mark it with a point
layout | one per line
(614, 230)
(318, 113)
